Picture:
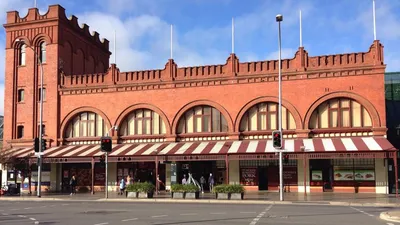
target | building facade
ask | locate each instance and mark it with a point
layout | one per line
(214, 119)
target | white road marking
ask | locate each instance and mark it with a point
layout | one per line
(100, 223)
(218, 213)
(390, 223)
(247, 212)
(359, 210)
(36, 222)
(5, 214)
(22, 216)
(159, 216)
(255, 220)
(28, 208)
(188, 214)
(32, 219)
(129, 220)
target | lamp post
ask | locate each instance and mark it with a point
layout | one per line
(106, 162)
(39, 185)
(279, 19)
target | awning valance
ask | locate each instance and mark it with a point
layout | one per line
(320, 145)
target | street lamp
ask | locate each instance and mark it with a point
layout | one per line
(40, 120)
(106, 186)
(279, 19)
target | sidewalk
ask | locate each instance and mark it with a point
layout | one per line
(352, 199)
(392, 216)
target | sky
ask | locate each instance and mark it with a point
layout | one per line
(202, 29)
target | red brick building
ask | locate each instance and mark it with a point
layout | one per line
(205, 119)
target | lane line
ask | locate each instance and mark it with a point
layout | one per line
(359, 210)
(188, 214)
(32, 219)
(22, 216)
(259, 216)
(36, 222)
(28, 208)
(247, 212)
(159, 216)
(218, 213)
(129, 220)
(100, 223)
(5, 214)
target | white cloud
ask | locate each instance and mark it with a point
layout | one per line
(287, 53)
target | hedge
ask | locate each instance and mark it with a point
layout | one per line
(184, 188)
(140, 187)
(228, 188)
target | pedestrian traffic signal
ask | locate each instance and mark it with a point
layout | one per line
(44, 144)
(36, 144)
(277, 139)
(286, 158)
(106, 144)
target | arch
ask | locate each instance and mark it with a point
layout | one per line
(17, 44)
(285, 103)
(344, 94)
(76, 111)
(79, 62)
(132, 108)
(40, 38)
(190, 105)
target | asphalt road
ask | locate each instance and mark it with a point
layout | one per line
(105, 213)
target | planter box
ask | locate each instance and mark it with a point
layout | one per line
(192, 195)
(178, 195)
(223, 196)
(145, 195)
(237, 196)
(132, 195)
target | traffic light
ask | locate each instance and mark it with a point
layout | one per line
(106, 144)
(44, 144)
(277, 139)
(286, 158)
(36, 145)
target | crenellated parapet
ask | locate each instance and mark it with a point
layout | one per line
(301, 63)
(56, 12)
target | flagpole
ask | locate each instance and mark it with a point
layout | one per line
(374, 18)
(301, 32)
(115, 47)
(171, 38)
(233, 35)
(35, 4)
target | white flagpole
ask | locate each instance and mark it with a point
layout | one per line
(301, 32)
(233, 35)
(171, 41)
(35, 5)
(374, 18)
(115, 47)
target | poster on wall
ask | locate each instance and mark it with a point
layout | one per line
(316, 175)
(343, 175)
(248, 176)
(364, 175)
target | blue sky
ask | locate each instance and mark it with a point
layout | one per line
(202, 28)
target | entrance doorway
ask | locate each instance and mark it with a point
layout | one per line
(262, 179)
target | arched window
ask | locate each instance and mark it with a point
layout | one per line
(86, 124)
(42, 53)
(142, 122)
(22, 55)
(340, 113)
(202, 119)
(264, 116)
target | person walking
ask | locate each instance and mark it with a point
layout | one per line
(211, 182)
(202, 183)
(122, 186)
(72, 184)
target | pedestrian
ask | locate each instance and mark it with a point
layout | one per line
(128, 180)
(184, 179)
(72, 184)
(202, 182)
(122, 186)
(211, 182)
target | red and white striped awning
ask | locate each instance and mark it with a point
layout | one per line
(220, 147)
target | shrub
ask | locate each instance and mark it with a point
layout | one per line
(180, 188)
(140, 187)
(228, 188)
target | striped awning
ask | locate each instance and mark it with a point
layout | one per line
(220, 147)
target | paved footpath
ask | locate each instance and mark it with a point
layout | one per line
(122, 213)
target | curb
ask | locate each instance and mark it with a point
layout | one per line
(205, 201)
(387, 217)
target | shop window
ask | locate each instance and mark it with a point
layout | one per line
(264, 116)
(86, 124)
(202, 119)
(142, 122)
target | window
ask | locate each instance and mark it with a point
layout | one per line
(44, 129)
(21, 95)
(43, 52)
(202, 119)
(142, 122)
(86, 124)
(20, 131)
(22, 55)
(40, 94)
(264, 116)
(340, 113)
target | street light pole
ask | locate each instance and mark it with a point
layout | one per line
(106, 161)
(279, 19)
(39, 185)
